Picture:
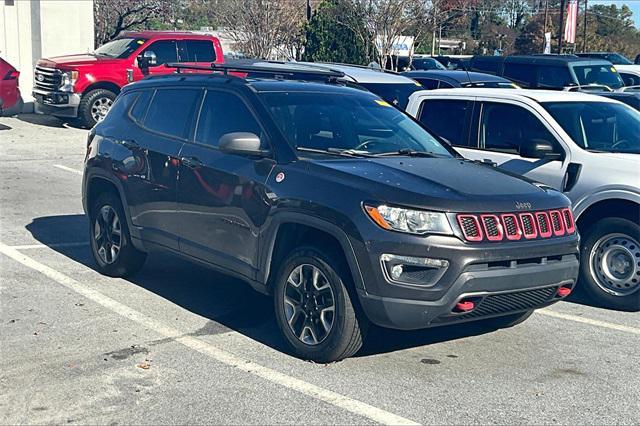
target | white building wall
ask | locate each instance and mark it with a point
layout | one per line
(34, 29)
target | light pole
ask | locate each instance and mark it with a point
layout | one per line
(560, 29)
(584, 30)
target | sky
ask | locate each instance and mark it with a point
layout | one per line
(634, 5)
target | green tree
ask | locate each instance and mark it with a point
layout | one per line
(334, 34)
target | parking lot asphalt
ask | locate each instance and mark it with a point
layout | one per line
(179, 343)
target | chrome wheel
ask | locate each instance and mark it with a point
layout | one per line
(100, 107)
(107, 234)
(309, 304)
(615, 264)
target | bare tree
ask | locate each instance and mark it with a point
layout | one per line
(114, 16)
(263, 28)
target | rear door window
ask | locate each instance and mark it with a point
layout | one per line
(448, 119)
(554, 77)
(140, 107)
(507, 128)
(630, 79)
(172, 111)
(197, 51)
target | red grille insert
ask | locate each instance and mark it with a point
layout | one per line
(470, 227)
(492, 227)
(544, 225)
(513, 226)
(528, 226)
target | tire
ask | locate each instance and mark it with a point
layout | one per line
(508, 321)
(87, 115)
(612, 285)
(124, 261)
(347, 327)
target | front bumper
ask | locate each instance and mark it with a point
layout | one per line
(501, 279)
(59, 104)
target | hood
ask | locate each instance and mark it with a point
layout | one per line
(445, 183)
(69, 61)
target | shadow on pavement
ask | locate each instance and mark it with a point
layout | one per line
(49, 121)
(229, 303)
(5, 127)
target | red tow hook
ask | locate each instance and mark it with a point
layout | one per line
(563, 291)
(464, 306)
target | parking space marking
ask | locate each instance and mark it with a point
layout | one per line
(68, 169)
(52, 245)
(594, 322)
(353, 406)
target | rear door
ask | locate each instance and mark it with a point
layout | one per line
(147, 159)
(222, 199)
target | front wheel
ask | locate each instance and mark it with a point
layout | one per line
(94, 106)
(314, 309)
(111, 244)
(610, 263)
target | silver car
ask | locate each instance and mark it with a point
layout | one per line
(584, 145)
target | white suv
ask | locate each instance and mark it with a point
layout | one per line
(584, 145)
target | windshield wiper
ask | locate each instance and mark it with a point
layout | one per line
(337, 151)
(409, 153)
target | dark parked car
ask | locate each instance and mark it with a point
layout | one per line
(449, 79)
(555, 72)
(453, 63)
(424, 64)
(10, 98)
(342, 207)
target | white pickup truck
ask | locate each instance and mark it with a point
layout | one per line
(584, 145)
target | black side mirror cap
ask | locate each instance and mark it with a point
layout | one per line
(242, 143)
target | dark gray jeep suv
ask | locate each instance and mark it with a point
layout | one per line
(342, 207)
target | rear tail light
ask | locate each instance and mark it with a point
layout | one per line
(12, 75)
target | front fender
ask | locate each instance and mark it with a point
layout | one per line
(626, 193)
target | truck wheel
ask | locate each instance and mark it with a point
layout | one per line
(610, 263)
(314, 309)
(111, 244)
(94, 106)
(508, 321)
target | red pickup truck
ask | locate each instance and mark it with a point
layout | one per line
(84, 86)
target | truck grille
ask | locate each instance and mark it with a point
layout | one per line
(47, 78)
(510, 302)
(515, 226)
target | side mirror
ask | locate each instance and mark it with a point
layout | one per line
(242, 143)
(147, 59)
(539, 148)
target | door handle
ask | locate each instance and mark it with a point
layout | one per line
(191, 162)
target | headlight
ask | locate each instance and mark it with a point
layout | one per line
(410, 221)
(68, 79)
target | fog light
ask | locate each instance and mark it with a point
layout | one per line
(396, 272)
(414, 271)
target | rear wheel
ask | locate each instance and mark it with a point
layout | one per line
(111, 244)
(610, 266)
(94, 106)
(314, 309)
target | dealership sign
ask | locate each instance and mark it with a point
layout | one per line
(401, 46)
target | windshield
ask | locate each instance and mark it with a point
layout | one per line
(361, 124)
(120, 48)
(395, 93)
(598, 74)
(599, 126)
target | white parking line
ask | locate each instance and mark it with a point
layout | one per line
(351, 405)
(68, 169)
(597, 323)
(52, 245)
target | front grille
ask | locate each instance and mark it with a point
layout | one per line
(47, 78)
(510, 302)
(513, 226)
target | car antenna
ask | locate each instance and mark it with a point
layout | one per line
(464, 66)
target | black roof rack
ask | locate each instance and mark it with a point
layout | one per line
(282, 71)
